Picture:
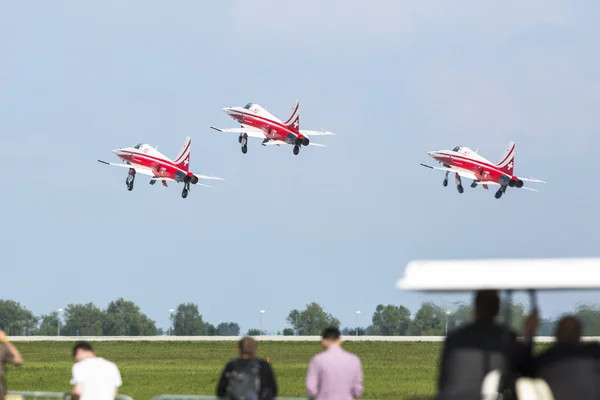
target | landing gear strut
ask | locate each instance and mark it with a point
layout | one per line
(500, 192)
(186, 189)
(130, 179)
(458, 183)
(243, 140)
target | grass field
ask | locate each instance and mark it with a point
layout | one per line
(392, 370)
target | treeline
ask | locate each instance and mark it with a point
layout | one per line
(124, 318)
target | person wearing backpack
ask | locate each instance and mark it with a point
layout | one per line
(247, 377)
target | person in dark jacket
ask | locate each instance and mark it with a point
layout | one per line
(473, 350)
(235, 376)
(571, 367)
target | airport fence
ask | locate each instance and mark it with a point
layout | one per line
(19, 395)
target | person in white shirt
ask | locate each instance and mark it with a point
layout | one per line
(93, 377)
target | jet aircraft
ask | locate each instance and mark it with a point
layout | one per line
(259, 123)
(466, 163)
(147, 160)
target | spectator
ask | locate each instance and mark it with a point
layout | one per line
(247, 377)
(93, 377)
(571, 367)
(334, 374)
(8, 354)
(474, 350)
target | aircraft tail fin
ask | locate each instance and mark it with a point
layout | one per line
(183, 157)
(293, 121)
(507, 162)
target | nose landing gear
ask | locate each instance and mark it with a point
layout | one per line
(243, 140)
(130, 179)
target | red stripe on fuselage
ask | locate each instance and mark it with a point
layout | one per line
(473, 165)
(277, 136)
(160, 166)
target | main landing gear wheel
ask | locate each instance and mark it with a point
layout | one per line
(186, 189)
(445, 183)
(130, 179)
(459, 186)
(474, 184)
(243, 140)
(296, 150)
(498, 194)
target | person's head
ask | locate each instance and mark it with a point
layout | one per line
(568, 330)
(487, 305)
(82, 350)
(331, 336)
(247, 347)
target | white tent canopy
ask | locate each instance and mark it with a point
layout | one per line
(501, 274)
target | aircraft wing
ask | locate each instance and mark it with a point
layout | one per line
(248, 130)
(462, 173)
(138, 169)
(321, 132)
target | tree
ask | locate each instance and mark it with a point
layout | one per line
(428, 321)
(352, 332)
(589, 316)
(83, 320)
(187, 321)
(228, 329)
(124, 318)
(15, 319)
(49, 325)
(371, 331)
(209, 330)
(288, 332)
(254, 332)
(312, 320)
(547, 327)
(516, 315)
(391, 320)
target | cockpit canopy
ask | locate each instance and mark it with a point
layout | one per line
(248, 105)
(457, 148)
(138, 146)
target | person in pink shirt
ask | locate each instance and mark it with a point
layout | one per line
(334, 374)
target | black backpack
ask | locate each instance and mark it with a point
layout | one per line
(244, 380)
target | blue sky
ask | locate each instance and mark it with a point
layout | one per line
(334, 225)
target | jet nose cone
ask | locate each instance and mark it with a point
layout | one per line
(227, 110)
(115, 151)
(430, 153)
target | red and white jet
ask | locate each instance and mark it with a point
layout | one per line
(467, 163)
(145, 159)
(259, 123)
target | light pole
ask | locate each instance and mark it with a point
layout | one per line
(170, 312)
(260, 326)
(447, 314)
(357, 313)
(58, 324)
